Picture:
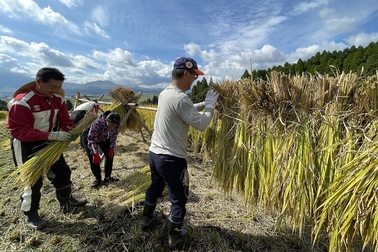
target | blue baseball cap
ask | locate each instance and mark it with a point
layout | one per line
(187, 63)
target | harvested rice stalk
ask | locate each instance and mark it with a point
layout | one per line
(131, 122)
(124, 93)
(38, 166)
(128, 96)
(134, 189)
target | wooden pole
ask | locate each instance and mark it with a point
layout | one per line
(147, 108)
(77, 99)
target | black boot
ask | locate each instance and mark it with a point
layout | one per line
(176, 232)
(108, 180)
(34, 221)
(97, 183)
(149, 213)
(67, 201)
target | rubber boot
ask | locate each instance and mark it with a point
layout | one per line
(149, 213)
(67, 201)
(34, 221)
(176, 232)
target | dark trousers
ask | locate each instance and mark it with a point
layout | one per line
(169, 170)
(59, 173)
(104, 146)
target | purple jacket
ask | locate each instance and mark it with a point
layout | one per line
(99, 132)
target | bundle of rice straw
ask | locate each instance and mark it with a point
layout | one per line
(133, 192)
(39, 165)
(128, 96)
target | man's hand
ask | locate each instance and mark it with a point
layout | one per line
(60, 136)
(211, 99)
(110, 153)
(96, 159)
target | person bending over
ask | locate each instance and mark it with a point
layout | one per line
(102, 135)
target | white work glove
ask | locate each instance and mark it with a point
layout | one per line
(211, 99)
(60, 136)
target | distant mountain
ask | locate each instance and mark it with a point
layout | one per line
(94, 87)
(10, 82)
(89, 88)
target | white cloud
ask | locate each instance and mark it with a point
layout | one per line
(267, 55)
(362, 39)
(27, 8)
(210, 55)
(306, 6)
(116, 57)
(5, 30)
(71, 3)
(39, 53)
(6, 61)
(249, 35)
(192, 49)
(155, 68)
(100, 15)
(50, 56)
(20, 70)
(336, 22)
(96, 29)
(11, 45)
(81, 61)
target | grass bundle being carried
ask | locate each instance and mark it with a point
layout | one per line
(39, 165)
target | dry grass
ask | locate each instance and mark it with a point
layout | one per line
(221, 222)
(30, 171)
(128, 96)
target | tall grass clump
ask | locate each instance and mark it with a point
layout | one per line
(304, 147)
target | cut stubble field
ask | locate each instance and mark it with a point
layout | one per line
(220, 221)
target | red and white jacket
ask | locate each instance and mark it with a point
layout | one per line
(32, 116)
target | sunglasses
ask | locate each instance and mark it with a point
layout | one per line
(192, 72)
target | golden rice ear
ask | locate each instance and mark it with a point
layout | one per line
(24, 88)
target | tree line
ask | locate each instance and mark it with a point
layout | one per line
(352, 59)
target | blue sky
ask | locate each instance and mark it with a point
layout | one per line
(135, 42)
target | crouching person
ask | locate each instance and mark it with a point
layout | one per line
(36, 110)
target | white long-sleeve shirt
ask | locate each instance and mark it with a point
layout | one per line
(176, 112)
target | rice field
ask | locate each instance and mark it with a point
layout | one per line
(286, 165)
(221, 221)
(304, 147)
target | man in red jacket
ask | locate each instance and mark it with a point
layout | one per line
(37, 115)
